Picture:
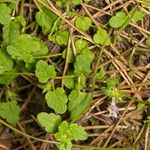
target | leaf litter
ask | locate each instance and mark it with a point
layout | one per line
(75, 74)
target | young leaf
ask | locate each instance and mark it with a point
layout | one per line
(71, 55)
(47, 87)
(110, 90)
(10, 111)
(86, 1)
(146, 5)
(82, 65)
(12, 1)
(21, 20)
(118, 20)
(78, 103)
(8, 76)
(76, 2)
(140, 106)
(65, 146)
(138, 16)
(81, 44)
(62, 37)
(78, 132)
(5, 16)
(100, 74)
(69, 83)
(64, 135)
(147, 42)
(111, 82)
(57, 100)
(60, 3)
(72, 83)
(44, 71)
(83, 23)
(88, 53)
(45, 21)
(11, 33)
(49, 121)
(44, 9)
(26, 48)
(101, 37)
(106, 91)
(6, 63)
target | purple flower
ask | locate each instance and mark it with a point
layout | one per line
(113, 109)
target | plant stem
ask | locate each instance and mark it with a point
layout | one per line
(48, 56)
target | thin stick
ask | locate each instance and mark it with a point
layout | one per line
(67, 59)
(147, 137)
(28, 139)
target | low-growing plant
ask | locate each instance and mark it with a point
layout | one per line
(111, 90)
(22, 53)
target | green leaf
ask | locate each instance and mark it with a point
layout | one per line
(72, 83)
(88, 53)
(100, 74)
(81, 44)
(65, 146)
(44, 71)
(138, 16)
(21, 20)
(86, 1)
(67, 133)
(101, 37)
(43, 8)
(11, 33)
(57, 100)
(78, 132)
(7, 77)
(106, 91)
(78, 103)
(69, 83)
(146, 5)
(12, 1)
(76, 2)
(45, 21)
(148, 101)
(10, 111)
(5, 16)
(62, 37)
(147, 120)
(26, 48)
(110, 89)
(147, 42)
(72, 13)
(81, 82)
(140, 106)
(6, 63)
(83, 23)
(71, 55)
(111, 82)
(118, 20)
(47, 87)
(82, 65)
(49, 121)
(64, 134)
(60, 3)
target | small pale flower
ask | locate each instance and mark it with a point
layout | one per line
(113, 109)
